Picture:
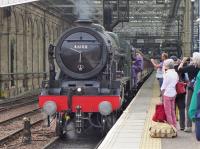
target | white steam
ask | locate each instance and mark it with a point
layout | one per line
(84, 9)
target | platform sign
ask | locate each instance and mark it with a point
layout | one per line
(140, 40)
(6, 3)
(158, 40)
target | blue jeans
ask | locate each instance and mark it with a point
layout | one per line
(160, 80)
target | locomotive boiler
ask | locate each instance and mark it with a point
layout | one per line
(93, 77)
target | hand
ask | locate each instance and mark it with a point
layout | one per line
(178, 61)
(184, 59)
(162, 92)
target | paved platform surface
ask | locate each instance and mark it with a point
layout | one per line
(132, 129)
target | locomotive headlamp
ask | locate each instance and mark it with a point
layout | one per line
(49, 107)
(105, 107)
(79, 89)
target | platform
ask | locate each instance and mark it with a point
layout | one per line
(131, 131)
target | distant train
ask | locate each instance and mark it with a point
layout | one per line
(172, 49)
(93, 79)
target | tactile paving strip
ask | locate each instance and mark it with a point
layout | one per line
(147, 142)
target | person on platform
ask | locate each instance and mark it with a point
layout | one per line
(168, 90)
(159, 67)
(180, 97)
(137, 66)
(192, 70)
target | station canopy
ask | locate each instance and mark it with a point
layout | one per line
(6, 3)
(159, 19)
(147, 18)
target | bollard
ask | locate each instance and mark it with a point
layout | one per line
(48, 121)
(26, 138)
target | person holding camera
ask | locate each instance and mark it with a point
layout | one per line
(192, 70)
(159, 67)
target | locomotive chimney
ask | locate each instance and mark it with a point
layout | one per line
(83, 22)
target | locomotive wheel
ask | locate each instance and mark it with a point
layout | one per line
(108, 122)
(60, 124)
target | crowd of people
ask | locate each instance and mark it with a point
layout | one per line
(170, 72)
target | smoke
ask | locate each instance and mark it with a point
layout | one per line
(84, 9)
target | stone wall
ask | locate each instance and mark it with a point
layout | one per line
(25, 33)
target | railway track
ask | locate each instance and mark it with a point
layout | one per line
(11, 122)
(18, 103)
(13, 129)
(90, 139)
(20, 116)
(12, 114)
(86, 143)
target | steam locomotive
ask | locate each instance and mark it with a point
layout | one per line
(93, 79)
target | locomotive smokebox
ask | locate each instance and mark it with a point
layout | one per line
(82, 51)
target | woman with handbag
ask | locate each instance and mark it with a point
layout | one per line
(181, 92)
(192, 70)
(168, 90)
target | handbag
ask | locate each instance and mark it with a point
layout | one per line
(180, 87)
(159, 115)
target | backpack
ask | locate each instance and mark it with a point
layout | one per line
(162, 130)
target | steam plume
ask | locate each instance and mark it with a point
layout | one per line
(84, 9)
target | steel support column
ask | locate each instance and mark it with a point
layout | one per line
(178, 20)
(192, 27)
(186, 39)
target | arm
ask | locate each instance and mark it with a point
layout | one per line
(186, 69)
(165, 83)
(155, 64)
(182, 63)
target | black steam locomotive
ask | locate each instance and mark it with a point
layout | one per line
(93, 79)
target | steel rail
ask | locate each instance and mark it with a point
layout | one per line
(16, 133)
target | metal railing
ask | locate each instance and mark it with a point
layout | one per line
(21, 76)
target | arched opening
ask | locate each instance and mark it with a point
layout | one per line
(13, 51)
(20, 50)
(35, 58)
(29, 35)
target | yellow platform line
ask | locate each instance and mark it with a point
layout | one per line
(146, 141)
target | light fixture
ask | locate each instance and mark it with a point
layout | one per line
(49, 107)
(79, 89)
